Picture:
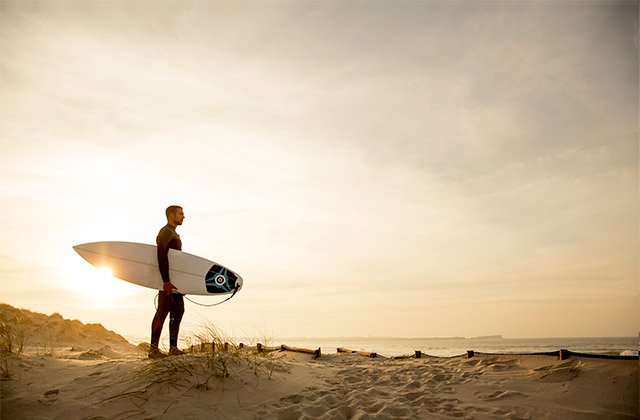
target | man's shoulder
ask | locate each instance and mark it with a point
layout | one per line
(167, 230)
(166, 227)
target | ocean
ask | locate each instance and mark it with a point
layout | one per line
(385, 346)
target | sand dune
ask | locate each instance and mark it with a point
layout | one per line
(100, 377)
(55, 332)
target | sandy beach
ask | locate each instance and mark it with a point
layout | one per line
(69, 370)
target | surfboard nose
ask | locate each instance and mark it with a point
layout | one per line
(80, 249)
(92, 252)
(88, 247)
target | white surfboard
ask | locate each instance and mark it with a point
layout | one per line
(138, 264)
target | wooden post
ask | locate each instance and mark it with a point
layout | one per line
(259, 347)
(316, 352)
(226, 347)
(284, 347)
(361, 353)
(564, 354)
(418, 354)
(470, 354)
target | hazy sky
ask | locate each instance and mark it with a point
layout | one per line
(411, 168)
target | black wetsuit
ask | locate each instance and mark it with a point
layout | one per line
(172, 303)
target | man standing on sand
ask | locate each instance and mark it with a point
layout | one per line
(170, 301)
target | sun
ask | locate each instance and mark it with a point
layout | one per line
(97, 284)
(104, 271)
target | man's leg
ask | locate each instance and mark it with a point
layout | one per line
(177, 310)
(164, 307)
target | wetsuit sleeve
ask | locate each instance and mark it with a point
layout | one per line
(163, 239)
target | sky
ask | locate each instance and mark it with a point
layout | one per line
(405, 169)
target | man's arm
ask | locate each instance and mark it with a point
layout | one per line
(163, 240)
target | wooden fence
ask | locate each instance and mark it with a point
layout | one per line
(561, 354)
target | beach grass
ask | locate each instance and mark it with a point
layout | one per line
(211, 357)
(215, 344)
(7, 337)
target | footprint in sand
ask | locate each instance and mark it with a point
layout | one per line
(50, 396)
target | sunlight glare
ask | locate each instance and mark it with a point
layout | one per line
(97, 284)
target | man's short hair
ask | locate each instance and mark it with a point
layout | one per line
(172, 210)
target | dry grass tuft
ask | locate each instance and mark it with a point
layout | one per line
(6, 338)
(212, 357)
(12, 334)
(11, 339)
(210, 340)
(49, 344)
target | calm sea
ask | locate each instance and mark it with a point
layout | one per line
(627, 346)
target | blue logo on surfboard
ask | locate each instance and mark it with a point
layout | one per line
(220, 280)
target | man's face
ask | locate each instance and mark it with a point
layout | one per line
(178, 217)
